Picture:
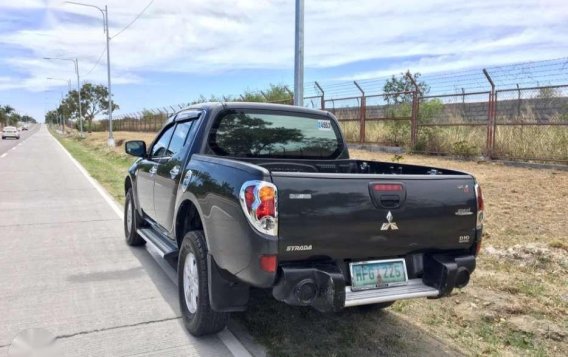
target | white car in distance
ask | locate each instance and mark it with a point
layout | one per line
(10, 132)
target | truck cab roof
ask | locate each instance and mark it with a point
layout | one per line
(218, 106)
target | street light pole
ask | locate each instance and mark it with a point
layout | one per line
(105, 24)
(76, 63)
(299, 55)
(68, 81)
(110, 136)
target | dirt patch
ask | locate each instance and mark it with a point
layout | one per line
(517, 301)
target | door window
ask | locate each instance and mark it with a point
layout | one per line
(160, 147)
(179, 138)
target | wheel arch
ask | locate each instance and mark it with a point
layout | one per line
(127, 184)
(188, 218)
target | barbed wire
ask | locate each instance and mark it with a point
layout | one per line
(469, 82)
(536, 73)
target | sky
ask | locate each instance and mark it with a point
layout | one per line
(179, 49)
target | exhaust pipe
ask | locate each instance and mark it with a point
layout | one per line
(462, 277)
(321, 287)
(305, 291)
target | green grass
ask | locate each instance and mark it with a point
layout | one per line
(104, 165)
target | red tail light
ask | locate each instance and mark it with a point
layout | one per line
(268, 263)
(479, 196)
(480, 206)
(267, 201)
(387, 187)
(259, 200)
(249, 196)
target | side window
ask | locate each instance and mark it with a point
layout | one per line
(160, 147)
(179, 138)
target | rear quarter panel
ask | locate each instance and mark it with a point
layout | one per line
(214, 189)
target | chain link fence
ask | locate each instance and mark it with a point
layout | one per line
(498, 112)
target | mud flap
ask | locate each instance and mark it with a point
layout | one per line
(225, 295)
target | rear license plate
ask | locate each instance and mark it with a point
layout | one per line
(378, 274)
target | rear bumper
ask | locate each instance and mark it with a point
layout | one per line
(414, 289)
(326, 288)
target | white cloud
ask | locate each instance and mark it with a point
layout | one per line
(217, 35)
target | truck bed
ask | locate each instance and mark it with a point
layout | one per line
(340, 209)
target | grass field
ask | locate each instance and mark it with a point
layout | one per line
(544, 142)
(516, 304)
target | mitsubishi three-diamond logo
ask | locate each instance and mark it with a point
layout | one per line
(390, 224)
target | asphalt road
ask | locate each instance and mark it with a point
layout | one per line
(64, 266)
(8, 144)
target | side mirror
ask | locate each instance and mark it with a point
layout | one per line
(135, 148)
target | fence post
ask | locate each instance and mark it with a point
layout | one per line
(490, 116)
(362, 113)
(518, 100)
(415, 108)
(322, 104)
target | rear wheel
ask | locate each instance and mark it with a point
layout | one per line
(132, 221)
(193, 289)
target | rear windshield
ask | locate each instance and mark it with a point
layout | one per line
(286, 135)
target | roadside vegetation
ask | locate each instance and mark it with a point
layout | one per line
(10, 117)
(516, 304)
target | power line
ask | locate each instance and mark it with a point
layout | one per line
(134, 20)
(96, 64)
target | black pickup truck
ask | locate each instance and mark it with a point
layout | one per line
(241, 195)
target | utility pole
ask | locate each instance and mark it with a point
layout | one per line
(68, 90)
(110, 136)
(299, 55)
(76, 63)
(105, 24)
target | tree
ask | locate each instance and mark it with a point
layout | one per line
(94, 101)
(548, 93)
(395, 87)
(52, 117)
(9, 116)
(28, 119)
(276, 93)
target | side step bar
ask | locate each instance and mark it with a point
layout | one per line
(162, 245)
(413, 289)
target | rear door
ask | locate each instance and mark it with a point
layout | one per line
(373, 216)
(169, 172)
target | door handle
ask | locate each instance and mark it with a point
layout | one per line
(174, 172)
(154, 169)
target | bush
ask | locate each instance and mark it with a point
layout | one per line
(463, 149)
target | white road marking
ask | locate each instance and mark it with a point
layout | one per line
(226, 336)
(3, 155)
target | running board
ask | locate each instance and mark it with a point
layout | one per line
(415, 288)
(165, 248)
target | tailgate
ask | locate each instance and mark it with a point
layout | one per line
(362, 216)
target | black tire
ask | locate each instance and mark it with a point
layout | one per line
(131, 226)
(203, 320)
(375, 307)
